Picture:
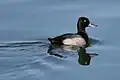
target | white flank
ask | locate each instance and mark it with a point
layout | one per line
(75, 41)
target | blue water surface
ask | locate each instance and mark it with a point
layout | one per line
(25, 26)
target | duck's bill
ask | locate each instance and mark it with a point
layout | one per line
(92, 25)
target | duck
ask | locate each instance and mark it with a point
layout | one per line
(80, 38)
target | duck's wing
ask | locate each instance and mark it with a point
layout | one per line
(59, 39)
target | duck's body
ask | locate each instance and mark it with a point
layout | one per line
(80, 38)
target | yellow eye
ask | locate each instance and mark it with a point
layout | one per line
(85, 20)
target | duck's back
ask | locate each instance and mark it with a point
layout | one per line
(61, 38)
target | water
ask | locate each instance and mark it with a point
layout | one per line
(25, 26)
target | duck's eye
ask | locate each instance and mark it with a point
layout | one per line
(85, 20)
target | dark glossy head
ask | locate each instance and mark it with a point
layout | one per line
(84, 22)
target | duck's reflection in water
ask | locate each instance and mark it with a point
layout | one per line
(53, 47)
(84, 57)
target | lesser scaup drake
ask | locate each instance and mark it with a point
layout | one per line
(80, 38)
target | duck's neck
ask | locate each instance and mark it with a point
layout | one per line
(81, 28)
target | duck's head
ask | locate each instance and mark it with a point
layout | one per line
(84, 22)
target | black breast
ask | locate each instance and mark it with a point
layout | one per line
(85, 36)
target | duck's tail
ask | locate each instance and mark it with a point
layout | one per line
(51, 40)
(54, 41)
